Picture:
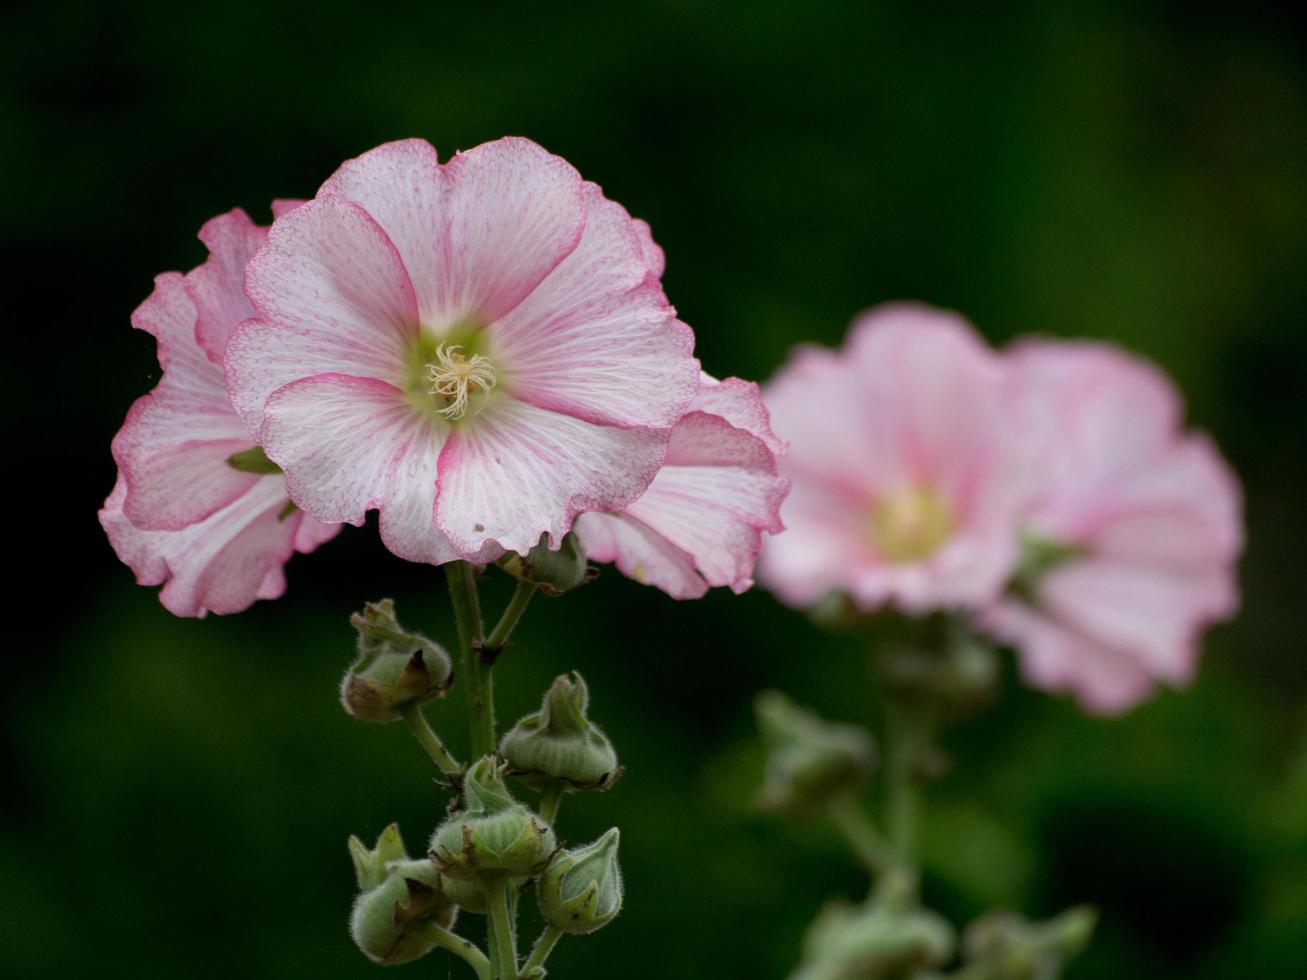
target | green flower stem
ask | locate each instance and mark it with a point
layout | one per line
(498, 639)
(460, 947)
(540, 951)
(877, 857)
(906, 733)
(428, 739)
(475, 671)
(550, 800)
(501, 928)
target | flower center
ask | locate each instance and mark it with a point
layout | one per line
(910, 525)
(454, 378)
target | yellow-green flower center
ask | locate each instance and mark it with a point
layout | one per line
(454, 379)
(910, 525)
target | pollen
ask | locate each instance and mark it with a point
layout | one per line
(455, 379)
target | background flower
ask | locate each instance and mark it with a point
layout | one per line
(215, 536)
(1133, 529)
(701, 521)
(906, 480)
(479, 349)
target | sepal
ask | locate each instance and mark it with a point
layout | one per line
(560, 743)
(395, 668)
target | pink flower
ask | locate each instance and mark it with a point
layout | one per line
(1134, 529)
(479, 350)
(905, 482)
(180, 514)
(701, 521)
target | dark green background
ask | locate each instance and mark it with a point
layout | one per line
(177, 793)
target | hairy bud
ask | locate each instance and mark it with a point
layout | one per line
(552, 571)
(560, 743)
(397, 896)
(395, 668)
(581, 890)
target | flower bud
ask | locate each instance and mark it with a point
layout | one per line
(493, 834)
(581, 890)
(873, 941)
(559, 742)
(1004, 946)
(394, 668)
(552, 571)
(397, 895)
(809, 761)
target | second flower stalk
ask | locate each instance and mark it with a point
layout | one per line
(490, 846)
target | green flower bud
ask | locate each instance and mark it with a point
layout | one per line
(493, 834)
(370, 865)
(873, 941)
(581, 890)
(559, 742)
(395, 668)
(1004, 946)
(809, 761)
(469, 894)
(397, 895)
(552, 571)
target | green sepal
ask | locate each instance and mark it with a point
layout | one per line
(581, 890)
(253, 460)
(395, 668)
(560, 743)
(552, 571)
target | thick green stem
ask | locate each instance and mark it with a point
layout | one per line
(460, 947)
(541, 950)
(475, 671)
(500, 924)
(428, 739)
(551, 798)
(877, 857)
(498, 638)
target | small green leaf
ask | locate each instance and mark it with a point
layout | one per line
(253, 460)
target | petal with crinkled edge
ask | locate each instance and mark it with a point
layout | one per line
(740, 403)
(331, 296)
(217, 287)
(640, 553)
(597, 339)
(523, 471)
(173, 446)
(349, 445)
(221, 564)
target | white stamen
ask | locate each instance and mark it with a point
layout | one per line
(453, 378)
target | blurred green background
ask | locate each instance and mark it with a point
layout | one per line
(177, 793)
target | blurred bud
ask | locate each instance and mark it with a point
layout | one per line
(873, 941)
(468, 894)
(581, 890)
(810, 761)
(559, 742)
(493, 834)
(958, 676)
(1004, 946)
(397, 895)
(394, 668)
(553, 572)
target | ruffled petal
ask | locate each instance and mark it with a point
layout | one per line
(349, 445)
(597, 338)
(221, 564)
(173, 446)
(740, 403)
(520, 471)
(640, 553)
(512, 213)
(217, 287)
(332, 296)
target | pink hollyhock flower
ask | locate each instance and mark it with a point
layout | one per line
(1134, 529)
(216, 536)
(479, 350)
(905, 481)
(701, 521)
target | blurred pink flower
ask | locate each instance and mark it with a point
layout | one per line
(701, 521)
(1133, 530)
(215, 536)
(478, 349)
(905, 481)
